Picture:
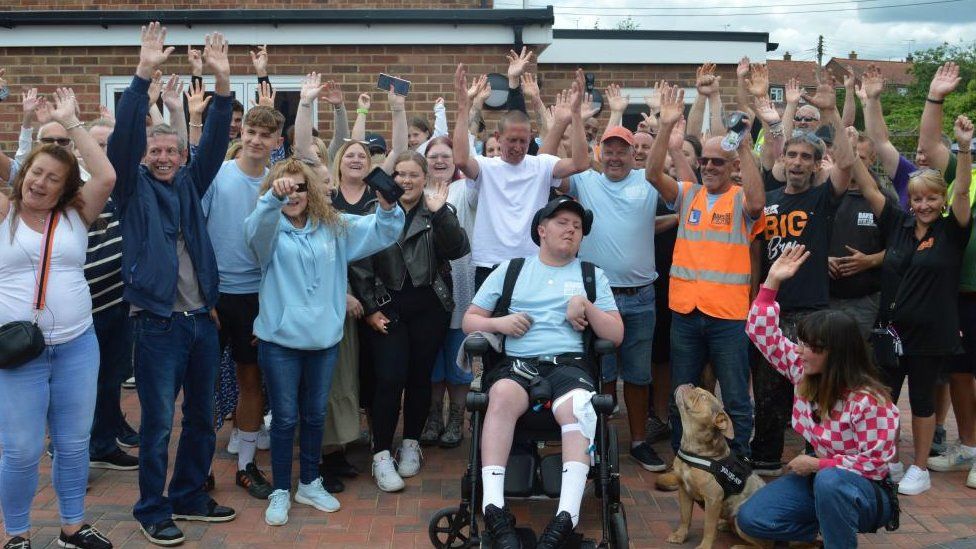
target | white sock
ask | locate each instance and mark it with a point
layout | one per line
(249, 445)
(571, 492)
(968, 451)
(636, 443)
(493, 483)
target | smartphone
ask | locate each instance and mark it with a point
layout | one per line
(400, 86)
(378, 180)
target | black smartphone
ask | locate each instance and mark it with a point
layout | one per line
(302, 188)
(400, 86)
(378, 180)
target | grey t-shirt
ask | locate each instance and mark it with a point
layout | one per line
(188, 296)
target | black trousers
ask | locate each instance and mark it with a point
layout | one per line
(403, 360)
(773, 394)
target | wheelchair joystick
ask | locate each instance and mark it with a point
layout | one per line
(540, 393)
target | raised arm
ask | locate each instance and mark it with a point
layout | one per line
(707, 84)
(825, 99)
(530, 88)
(872, 84)
(618, 104)
(772, 147)
(363, 102)
(173, 101)
(462, 156)
(672, 106)
(215, 137)
(757, 83)
(742, 100)
(850, 105)
(961, 204)
(196, 100)
(792, 95)
(580, 160)
(676, 142)
(398, 109)
(562, 116)
(754, 194)
(930, 129)
(340, 118)
(517, 63)
(311, 88)
(869, 187)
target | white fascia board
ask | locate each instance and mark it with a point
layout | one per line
(359, 35)
(649, 52)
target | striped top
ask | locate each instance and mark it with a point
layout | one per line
(103, 261)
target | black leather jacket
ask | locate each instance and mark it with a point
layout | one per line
(420, 256)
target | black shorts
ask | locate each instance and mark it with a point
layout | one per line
(237, 313)
(562, 378)
(661, 349)
(966, 362)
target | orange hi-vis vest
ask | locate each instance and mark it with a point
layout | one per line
(711, 268)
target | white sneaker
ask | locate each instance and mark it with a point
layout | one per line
(971, 478)
(278, 505)
(896, 471)
(129, 383)
(267, 422)
(264, 438)
(915, 481)
(384, 471)
(409, 458)
(315, 495)
(234, 444)
(954, 459)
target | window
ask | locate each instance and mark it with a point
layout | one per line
(776, 94)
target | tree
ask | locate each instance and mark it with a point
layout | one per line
(628, 24)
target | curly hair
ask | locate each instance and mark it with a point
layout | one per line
(70, 197)
(319, 207)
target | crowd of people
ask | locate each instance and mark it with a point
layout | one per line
(258, 269)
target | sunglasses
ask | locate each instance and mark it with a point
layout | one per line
(302, 188)
(714, 161)
(61, 141)
(805, 119)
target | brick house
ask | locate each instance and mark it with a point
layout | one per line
(92, 45)
(897, 74)
(781, 71)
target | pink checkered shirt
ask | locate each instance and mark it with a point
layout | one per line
(859, 434)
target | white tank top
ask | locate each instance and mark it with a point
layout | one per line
(68, 306)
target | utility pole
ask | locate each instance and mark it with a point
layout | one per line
(820, 50)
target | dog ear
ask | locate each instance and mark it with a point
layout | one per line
(724, 424)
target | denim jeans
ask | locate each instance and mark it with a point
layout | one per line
(174, 353)
(115, 362)
(836, 502)
(632, 362)
(56, 390)
(697, 339)
(774, 401)
(298, 389)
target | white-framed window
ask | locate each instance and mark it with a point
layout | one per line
(776, 94)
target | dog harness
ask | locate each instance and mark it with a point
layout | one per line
(730, 472)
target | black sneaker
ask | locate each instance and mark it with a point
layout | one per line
(163, 533)
(117, 460)
(556, 532)
(330, 480)
(17, 542)
(337, 463)
(252, 479)
(766, 468)
(501, 525)
(214, 513)
(647, 457)
(657, 430)
(127, 437)
(85, 538)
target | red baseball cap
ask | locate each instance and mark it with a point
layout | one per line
(619, 132)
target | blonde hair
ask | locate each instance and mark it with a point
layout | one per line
(927, 180)
(319, 208)
(322, 149)
(337, 161)
(233, 150)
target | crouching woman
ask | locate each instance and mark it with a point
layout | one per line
(304, 246)
(841, 409)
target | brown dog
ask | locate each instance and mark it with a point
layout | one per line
(705, 427)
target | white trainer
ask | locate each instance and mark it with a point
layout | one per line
(956, 458)
(384, 471)
(315, 495)
(278, 505)
(971, 478)
(915, 481)
(264, 438)
(234, 444)
(409, 458)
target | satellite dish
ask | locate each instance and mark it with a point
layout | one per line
(498, 97)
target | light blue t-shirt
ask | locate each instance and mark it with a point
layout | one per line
(229, 200)
(621, 241)
(543, 293)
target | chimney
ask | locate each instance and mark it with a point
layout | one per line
(852, 55)
(787, 57)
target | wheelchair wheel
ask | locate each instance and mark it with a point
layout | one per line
(619, 539)
(449, 529)
(613, 467)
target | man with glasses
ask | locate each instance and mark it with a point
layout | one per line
(711, 269)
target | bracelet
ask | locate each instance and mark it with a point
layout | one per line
(78, 124)
(937, 102)
(362, 111)
(305, 105)
(192, 125)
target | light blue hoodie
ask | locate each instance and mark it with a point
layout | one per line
(303, 271)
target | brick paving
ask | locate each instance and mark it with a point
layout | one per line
(943, 517)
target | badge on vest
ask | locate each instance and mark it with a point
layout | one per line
(694, 217)
(865, 219)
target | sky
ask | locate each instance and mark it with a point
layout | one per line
(875, 29)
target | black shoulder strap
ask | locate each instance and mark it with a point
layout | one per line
(589, 284)
(511, 276)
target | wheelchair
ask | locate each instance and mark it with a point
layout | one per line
(529, 475)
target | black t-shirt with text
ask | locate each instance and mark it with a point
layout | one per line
(791, 220)
(854, 226)
(920, 281)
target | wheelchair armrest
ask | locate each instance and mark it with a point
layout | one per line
(602, 404)
(604, 347)
(476, 346)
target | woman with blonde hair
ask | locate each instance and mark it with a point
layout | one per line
(303, 246)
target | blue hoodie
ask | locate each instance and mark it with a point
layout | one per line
(302, 299)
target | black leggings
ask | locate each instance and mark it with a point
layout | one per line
(403, 361)
(922, 372)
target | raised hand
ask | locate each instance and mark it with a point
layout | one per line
(3, 82)
(152, 52)
(786, 265)
(311, 88)
(103, 112)
(479, 90)
(215, 54)
(653, 100)
(850, 81)
(28, 101)
(173, 93)
(260, 61)
(766, 111)
(872, 83)
(588, 109)
(435, 195)
(705, 80)
(576, 94)
(397, 102)
(963, 128)
(530, 86)
(945, 81)
(517, 62)
(825, 98)
(363, 101)
(266, 96)
(332, 93)
(672, 104)
(196, 99)
(155, 87)
(196, 61)
(757, 83)
(677, 138)
(742, 69)
(562, 110)
(461, 87)
(65, 107)
(793, 91)
(617, 102)
(42, 113)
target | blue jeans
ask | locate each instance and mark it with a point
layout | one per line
(298, 389)
(634, 354)
(174, 353)
(697, 339)
(837, 503)
(115, 362)
(55, 390)
(445, 365)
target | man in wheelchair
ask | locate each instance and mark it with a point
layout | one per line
(544, 340)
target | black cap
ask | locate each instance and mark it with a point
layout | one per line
(377, 145)
(554, 206)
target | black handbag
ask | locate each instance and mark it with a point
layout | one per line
(886, 346)
(22, 340)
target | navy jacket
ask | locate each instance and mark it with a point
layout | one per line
(153, 213)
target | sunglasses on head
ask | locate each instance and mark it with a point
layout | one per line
(61, 141)
(716, 161)
(805, 119)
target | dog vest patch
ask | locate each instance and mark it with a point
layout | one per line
(730, 472)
